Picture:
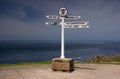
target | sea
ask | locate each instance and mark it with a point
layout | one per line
(40, 51)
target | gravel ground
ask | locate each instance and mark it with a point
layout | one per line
(82, 71)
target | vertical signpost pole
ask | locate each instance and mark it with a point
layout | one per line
(62, 38)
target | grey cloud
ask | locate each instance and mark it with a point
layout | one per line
(104, 16)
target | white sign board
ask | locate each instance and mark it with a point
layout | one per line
(76, 26)
(72, 17)
(58, 17)
(77, 23)
(52, 23)
(53, 17)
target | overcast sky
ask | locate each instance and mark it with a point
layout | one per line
(25, 19)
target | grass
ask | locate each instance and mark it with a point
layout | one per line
(117, 63)
(49, 62)
(25, 63)
(29, 63)
(115, 59)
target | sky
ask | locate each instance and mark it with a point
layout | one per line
(25, 19)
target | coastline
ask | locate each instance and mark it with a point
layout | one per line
(49, 63)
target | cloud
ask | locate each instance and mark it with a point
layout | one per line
(25, 19)
(19, 30)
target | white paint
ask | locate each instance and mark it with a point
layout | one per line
(62, 39)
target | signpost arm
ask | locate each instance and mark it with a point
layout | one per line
(62, 38)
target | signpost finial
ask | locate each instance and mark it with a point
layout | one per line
(63, 12)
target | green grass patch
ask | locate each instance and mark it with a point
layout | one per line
(30, 63)
(25, 63)
(49, 62)
(1, 65)
(117, 63)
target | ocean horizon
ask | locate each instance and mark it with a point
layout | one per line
(39, 51)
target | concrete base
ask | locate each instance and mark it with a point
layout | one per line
(62, 64)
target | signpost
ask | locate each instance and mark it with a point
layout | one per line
(63, 15)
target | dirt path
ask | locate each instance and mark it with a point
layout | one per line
(82, 71)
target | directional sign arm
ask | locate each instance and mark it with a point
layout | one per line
(77, 22)
(72, 17)
(53, 17)
(76, 26)
(52, 23)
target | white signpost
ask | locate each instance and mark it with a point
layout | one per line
(73, 24)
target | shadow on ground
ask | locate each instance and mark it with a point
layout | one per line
(84, 68)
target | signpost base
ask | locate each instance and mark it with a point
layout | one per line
(62, 64)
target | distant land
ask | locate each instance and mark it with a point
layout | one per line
(59, 41)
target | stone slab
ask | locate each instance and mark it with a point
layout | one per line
(62, 64)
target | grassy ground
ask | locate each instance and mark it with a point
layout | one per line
(104, 59)
(48, 62)
(25, 63)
